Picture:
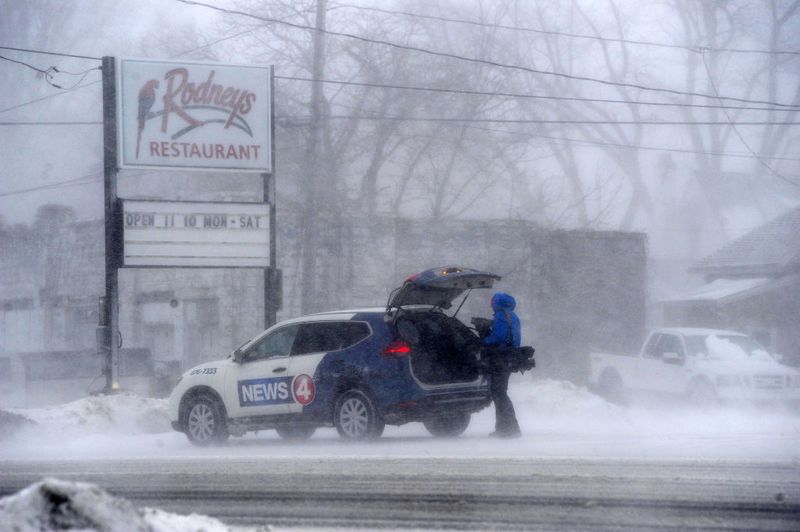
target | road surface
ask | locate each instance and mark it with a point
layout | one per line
(461, 493)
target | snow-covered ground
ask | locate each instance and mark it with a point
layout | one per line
(558, 419)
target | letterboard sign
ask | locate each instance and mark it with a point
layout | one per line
(193, 234)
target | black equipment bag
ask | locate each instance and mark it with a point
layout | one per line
(520, 359)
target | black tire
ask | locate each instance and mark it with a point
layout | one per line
(356, 417)
(448, 425)
(295, 432)
(206, 422)
(610, 387)
(702, 394)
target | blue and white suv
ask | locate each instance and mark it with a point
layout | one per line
(357, 370)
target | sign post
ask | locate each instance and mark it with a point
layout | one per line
(113, 238)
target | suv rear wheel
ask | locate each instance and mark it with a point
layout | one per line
(356, 417)
(450, 424)
(205, 421)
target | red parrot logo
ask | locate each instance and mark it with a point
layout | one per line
(147, 97)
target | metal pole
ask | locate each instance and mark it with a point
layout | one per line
(113, 238)
(272, 284)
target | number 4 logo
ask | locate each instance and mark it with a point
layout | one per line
(303, 389)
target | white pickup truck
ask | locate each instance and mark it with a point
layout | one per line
(704, 365)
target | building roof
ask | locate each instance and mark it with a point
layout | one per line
(769, 250)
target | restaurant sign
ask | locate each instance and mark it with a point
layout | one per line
(200, 116)
(195, 234)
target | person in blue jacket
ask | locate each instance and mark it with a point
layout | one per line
(505, 335)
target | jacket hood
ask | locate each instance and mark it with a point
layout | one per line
(503, 301)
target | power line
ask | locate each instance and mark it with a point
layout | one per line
(48, 74)
(79, 86)
(478, 61)
(630, 146)
(476, 120)
(532, 96)
(49, 96)
(76, 181)
(577, 122)
(739, 134)
(88, 123)
(29, 50)
(695, 49)
(82, 180)
(36, 69)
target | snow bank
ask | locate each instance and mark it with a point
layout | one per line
(11, 424)
(53, 504)
(118, 414)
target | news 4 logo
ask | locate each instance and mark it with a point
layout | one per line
(303, 389)
(259, 392)
(277, 391)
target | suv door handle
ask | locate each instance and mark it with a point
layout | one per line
(279, 370)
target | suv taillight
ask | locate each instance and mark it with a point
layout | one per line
(396, 349)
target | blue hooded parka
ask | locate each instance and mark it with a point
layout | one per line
(503, 306)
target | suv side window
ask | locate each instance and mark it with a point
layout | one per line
(276, 344)
(652, 350)
(326, 336)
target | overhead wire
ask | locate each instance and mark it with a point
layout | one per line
(476, 120)
(691, 48)
(630, 146)
(497, 64)
(82, 180)
(48, 73)
(789, 107)
(531, 96)
(29, 50)
(739, 134)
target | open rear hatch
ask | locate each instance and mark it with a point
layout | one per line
(439, 286)
(444, 350)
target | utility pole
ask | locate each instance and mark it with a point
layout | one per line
(312, 178)
(109, 323)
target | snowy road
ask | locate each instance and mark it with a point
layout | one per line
(581, 463)
(437, 492)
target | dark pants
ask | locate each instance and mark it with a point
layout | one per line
(505, 418)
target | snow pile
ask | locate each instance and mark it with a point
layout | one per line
(11, 424)
(53, 504)
(560, 406)
(121, 414)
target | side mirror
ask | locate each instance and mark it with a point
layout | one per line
(672, 358)
(237, 356)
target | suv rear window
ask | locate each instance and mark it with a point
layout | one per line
(325, 336)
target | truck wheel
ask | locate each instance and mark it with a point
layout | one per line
(610, 387)
(356, 417)
(295, 432)
(205, 421)
(702, 394)
(448, 425)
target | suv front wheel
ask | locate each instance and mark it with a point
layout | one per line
(205, 421)
(356, 417)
